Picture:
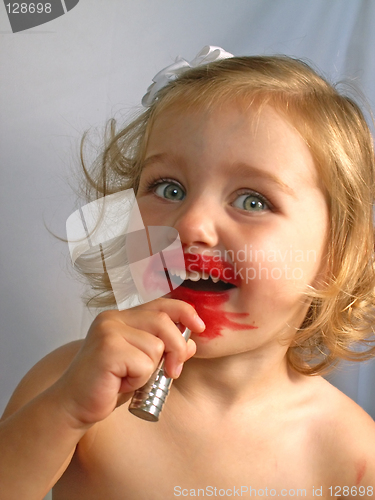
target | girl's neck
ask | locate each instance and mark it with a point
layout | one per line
(232, 381)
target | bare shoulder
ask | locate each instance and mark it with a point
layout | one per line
(345, 435)
(42, 375)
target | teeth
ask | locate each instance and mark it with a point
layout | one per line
(193, 275)
(181, 273)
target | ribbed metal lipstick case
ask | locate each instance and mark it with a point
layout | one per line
(147, 401)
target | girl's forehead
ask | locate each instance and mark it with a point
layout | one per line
(230, 135)
(233, 117)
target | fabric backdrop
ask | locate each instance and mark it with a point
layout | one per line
(96, 61)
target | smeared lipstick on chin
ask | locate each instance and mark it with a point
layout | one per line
(208, 304)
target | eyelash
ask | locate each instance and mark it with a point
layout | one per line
(153, 184)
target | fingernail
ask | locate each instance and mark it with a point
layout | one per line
(201, 322)
(178, 370)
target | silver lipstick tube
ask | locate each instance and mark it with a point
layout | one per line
(147, 401)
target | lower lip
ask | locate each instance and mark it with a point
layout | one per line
(207, 305)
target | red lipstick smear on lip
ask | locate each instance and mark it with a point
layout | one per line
(207, 305)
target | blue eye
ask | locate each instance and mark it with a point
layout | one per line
(251, 203)
(170, 191)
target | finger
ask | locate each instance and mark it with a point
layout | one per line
(109, 328)
(157, 318)
(159, 324)
(191, 348)
(144, 340)
(134, 367)
(178, 310)
(161, 335)
(173, 368)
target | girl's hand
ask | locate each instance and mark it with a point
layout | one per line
(121, 351)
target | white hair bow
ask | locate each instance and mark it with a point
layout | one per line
(207, 55)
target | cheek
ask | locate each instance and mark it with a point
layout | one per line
(149, 215)
(274, 291)
(280, 277)
(281, 265)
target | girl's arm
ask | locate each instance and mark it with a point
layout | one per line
(80, 384)
(37, 437)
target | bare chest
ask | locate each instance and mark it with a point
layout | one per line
(142, 461)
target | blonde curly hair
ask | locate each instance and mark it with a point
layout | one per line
(338, 324)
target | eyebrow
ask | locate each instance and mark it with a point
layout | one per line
(159, 158)
(239, 168)
(246, 170)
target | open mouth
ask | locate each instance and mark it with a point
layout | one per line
(201, 281)
(207, 286)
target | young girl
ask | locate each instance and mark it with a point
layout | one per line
(267, 174)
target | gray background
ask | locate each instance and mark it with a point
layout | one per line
(59, 79)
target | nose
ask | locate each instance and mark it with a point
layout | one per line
(196, 223)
